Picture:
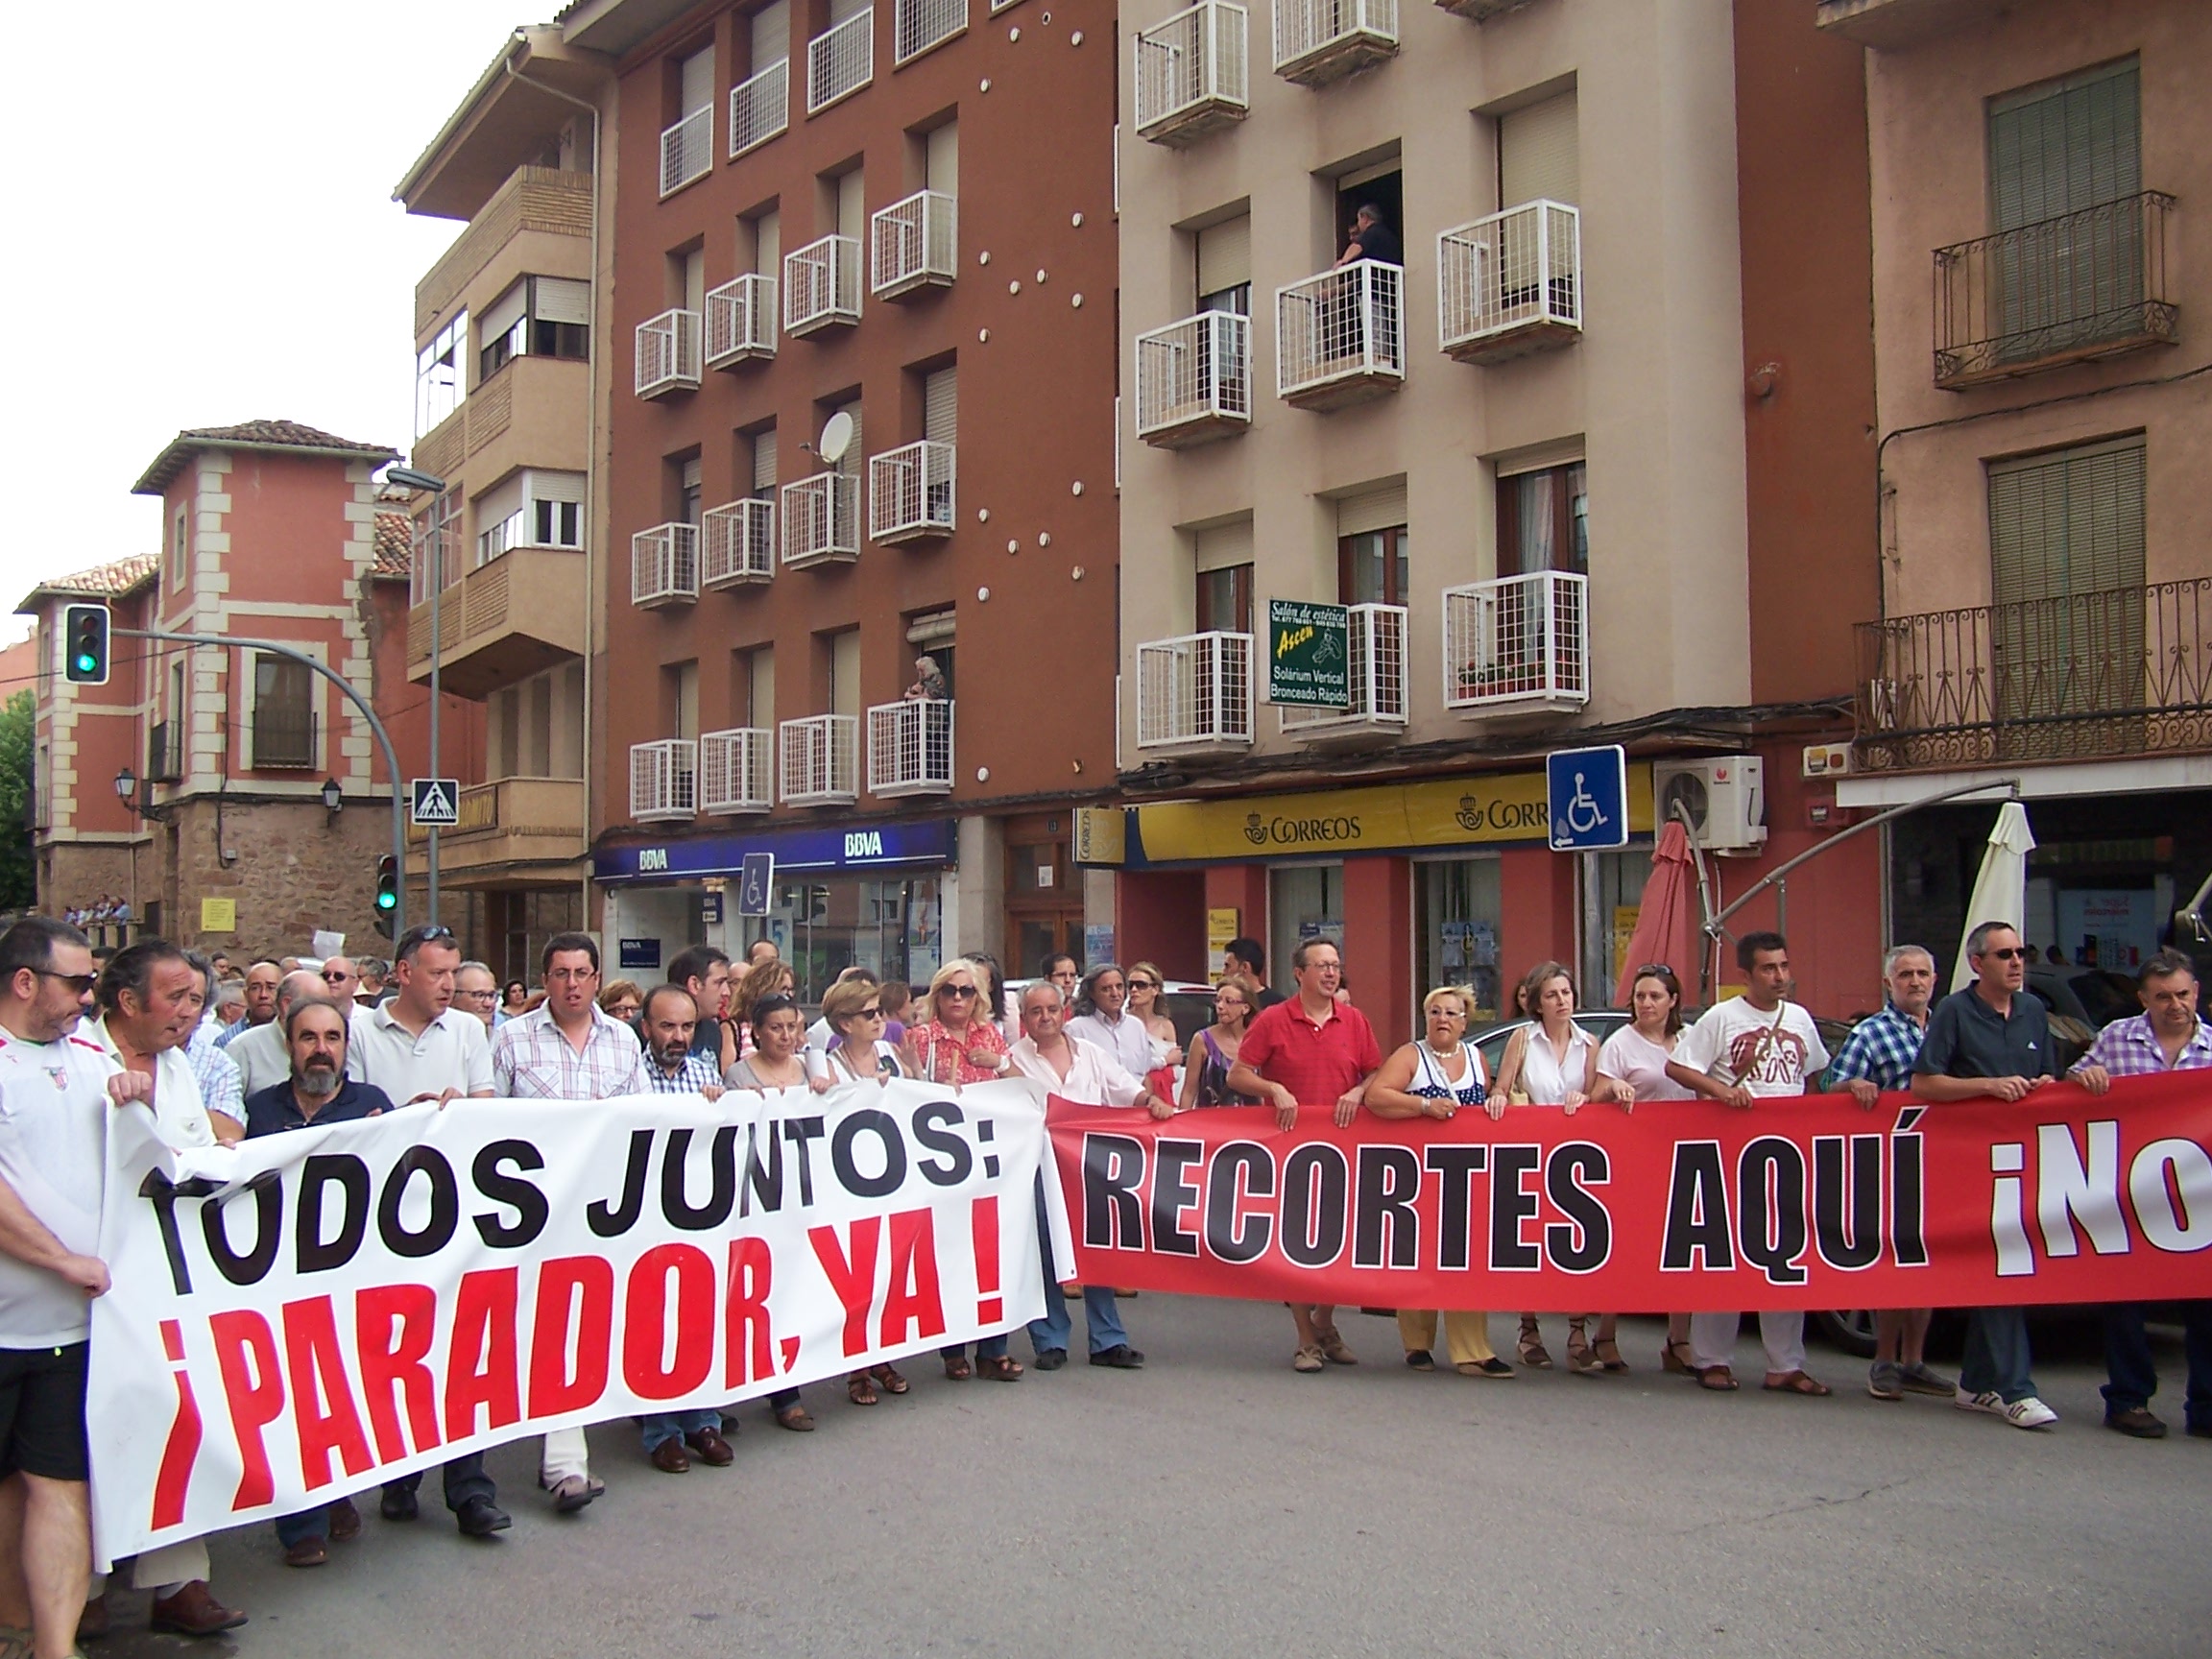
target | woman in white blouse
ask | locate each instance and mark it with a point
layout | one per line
(1635, 1058)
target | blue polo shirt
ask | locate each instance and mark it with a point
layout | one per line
(1967, 1038)
(273, 1109)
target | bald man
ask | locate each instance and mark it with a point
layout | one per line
(260, 1054)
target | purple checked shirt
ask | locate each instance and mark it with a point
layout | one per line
(2129, 1049)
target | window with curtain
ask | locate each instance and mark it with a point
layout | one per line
(1373, 567)
(1543, 521)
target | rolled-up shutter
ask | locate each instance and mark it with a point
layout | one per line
(764, 461)
(500, 503)
(557, 487)
(503, 313)
(1224, 546)
(1225, 254)
(941, 168)
(770, 35)
(941, 406)
(1379, 507)
(698, 75)
(563, 299)
(1539, 153)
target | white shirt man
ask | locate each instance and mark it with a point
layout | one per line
(260, 1054)
(1120, 1034)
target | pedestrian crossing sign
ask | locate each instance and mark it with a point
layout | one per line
(437, 802)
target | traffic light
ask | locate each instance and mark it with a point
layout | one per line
(85, 644)
(387, 892)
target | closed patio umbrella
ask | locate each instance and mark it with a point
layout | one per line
(1667, 926)
(2001, 888)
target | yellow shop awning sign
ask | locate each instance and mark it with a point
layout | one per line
(1478, 812)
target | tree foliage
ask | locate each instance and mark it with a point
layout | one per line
(18, 872)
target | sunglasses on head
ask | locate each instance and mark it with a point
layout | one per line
(1652, 968)
(773, 1005)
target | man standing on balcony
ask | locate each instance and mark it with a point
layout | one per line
(1371, 239)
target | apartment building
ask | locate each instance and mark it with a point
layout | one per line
(1577, 443)
(508, 556)
(861, 465)
(233, 796)
(2045, 545)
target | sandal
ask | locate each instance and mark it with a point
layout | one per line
(1580, 1361)
(1531, 1344)
(1794, 1382)
(1334, 1349)
(1493, 1366)
(1003, 1368)
(1309, 1360)
(888, 1375)
(957, 1368)
(859, 1389)
(1718, 1378)
(1676, 1358)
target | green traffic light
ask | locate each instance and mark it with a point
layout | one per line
(86, 662)
(387, 900)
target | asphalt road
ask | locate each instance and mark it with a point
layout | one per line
(1219, 1503)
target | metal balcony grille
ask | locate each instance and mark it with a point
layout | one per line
(687, 150)
(1510, 283)
(840, 61)
(665, 566)
(1518, 642)
(1377, 675)
(820, 519)
(668, 353)
(1192, 76)
(918, 24)
(1195, 379)
(738, 543)
(2084, 676)
(663, 779)
(822, 285)
(1194, 692)
(1341, 335)
(913, 244)
(734, 771)
(820, 761)
(910, 493)
(910, 747)
(284, 737)
(759, 108)
(2082, 286)
(1317, 42)
(741, 321)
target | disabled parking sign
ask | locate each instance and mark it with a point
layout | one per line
(1587, 790)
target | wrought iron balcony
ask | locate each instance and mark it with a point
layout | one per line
(1376, 681)
(735, 771)
(687, 150)
(911, 493)
(915, 245)
(1317, 42)
(738, 543)
(1340, 336)
(1518, 645)
(820, 519)
(741, 321)
(663, 779)
(1192, 75)
(822, 286)
(820, 761)
(840, 61)
(2120, 671)
(1511, 283)
(664, 566)
(668, 353)
(759, 108)
(1194, 380)
(2066, 290)
(1195, 693)
(910, 747)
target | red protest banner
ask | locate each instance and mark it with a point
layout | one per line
(1798, 1202)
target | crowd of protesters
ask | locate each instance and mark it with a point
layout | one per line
(215, 1057)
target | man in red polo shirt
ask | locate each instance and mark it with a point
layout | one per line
(1305, 1050)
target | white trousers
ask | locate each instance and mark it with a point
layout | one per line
(179, 1563)
(1713, 1340)
(566, 1454)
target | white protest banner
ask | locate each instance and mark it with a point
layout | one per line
(313, 1313)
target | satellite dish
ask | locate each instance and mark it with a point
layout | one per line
(836, 438)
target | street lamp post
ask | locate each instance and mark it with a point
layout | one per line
(407, 478)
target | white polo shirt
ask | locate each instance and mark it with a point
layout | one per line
(260, 1057)
(53, 1152)
(451, 1053)
(180, 1117)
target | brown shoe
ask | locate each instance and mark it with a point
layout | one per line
(92, 1623)
(344, 1520)
(796, 1418)
(194, 1611)
(669, 1456)
(307, 1552)
(714, 1451)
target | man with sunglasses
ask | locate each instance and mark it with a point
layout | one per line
(341, 979)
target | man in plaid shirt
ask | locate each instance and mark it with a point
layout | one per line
(672, 1067)
(2167, 1036)
(1878, 1056)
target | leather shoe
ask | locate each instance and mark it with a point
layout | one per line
(307, 1552)
(399, 1504)
(669, 1456)
(714, 1451)
(2136, 1421)
(480, 1518)
(194, 1611)
(344, 1520)
(1051, 1358)
(1120, 1357)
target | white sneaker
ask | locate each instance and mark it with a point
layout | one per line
(1991, 1402)
(2030, 1413)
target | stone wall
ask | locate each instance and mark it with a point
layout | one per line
(78, 872)
(293, 872)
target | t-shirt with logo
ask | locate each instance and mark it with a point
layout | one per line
(1772, 1052)
(54, 1153)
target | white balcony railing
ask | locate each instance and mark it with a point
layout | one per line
(738, 543)
(910, 747)
(821, 761)
(1195, 379)
(687, 150)
(910, 493)
(668, 353)
(1191, 74)
(736, 770)
(1195, 693)
(759, 108)
(840, 61)
(914, 245)
(663, 779)
(665, 566)
(918, 24)
(741, 321)
(820, 519)
(1317, 42)
(1340, 336)
(822, 286)
(1520, 642)
(1378, 682)
(1510, 283)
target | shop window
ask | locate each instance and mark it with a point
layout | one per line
(892, 928)
(1458, 915)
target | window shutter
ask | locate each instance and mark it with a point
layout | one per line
(504, 313)
(563, 299)
(842, 9)
(858, 448)
(768, 243)
(2059, 148)
(1539, 457)
(770, 35)
(1225, 254)
(941, 406)
(1224, 546)
(760, 688)
(764, 462)
(1539, 153)
(2066, 525)
(687, 699)
(695, 280)
(943, 167)
(698, 78)
(500, 503)
(845, 672)
(1382, 507)
(851, 205)
(556, 486)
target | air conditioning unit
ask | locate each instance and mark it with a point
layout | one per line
(1724, 796)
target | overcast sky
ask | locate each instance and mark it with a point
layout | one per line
(203, 233)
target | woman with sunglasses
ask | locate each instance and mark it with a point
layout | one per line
(1147, 987)
(854, 1010)
(1434, 1078)
(1634, 1061)
(1214, 1050)
(956, 1044)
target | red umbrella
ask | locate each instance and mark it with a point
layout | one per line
(1667, 926)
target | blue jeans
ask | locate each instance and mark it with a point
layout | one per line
(1997, 1358)
(2134, 1376)
(312, 1523)
(665, 1425)
(1098, 1310)
(465, 1479)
